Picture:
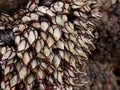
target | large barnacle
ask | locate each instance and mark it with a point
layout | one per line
(50, 46)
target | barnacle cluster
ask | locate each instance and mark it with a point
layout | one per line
(44, 46)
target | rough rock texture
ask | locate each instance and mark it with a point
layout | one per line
(101, 78)
(107, 34)
(7, 5)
